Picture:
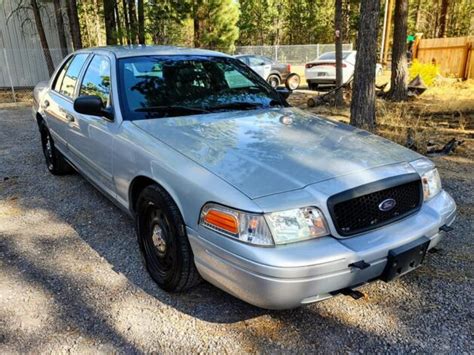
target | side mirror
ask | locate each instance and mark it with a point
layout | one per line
(92, 105)
(284, 93)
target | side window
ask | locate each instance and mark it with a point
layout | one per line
(59, 78)
(97, 79)
(256, 61)
(72, 72)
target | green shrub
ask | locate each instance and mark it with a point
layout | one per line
(427, 71)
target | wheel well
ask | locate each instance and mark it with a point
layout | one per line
(275, 74)
(136, 187)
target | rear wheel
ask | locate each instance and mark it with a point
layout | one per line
(274, 81)
(163, 241)
(55, 161)
(293, 81)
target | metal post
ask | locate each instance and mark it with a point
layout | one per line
(388, 28)
(317, 50)
(382, 47)
(9, 74)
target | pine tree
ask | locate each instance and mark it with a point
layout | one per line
(217, 24)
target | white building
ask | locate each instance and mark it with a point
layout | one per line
(22, 60)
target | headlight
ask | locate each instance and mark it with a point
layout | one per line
(247, 227)
(431, 184)
(269, 229)
(298, 224)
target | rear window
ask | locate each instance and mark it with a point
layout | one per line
(332, 55)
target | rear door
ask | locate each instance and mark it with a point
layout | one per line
(260, 67)
(90, 138)
(58, 104)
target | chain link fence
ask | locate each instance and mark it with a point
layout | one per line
(291, 54)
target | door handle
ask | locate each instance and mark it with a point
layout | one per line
(45, 104)
(69, 117)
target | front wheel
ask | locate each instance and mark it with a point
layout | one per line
(55, 161)
(163, 241)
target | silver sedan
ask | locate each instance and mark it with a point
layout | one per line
(226, 182)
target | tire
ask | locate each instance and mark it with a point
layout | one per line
(274, 81)
(55, 161)
(163, 241)
(292, 81)
(311, 102)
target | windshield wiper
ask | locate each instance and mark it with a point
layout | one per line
(236, 106)
(171, 108)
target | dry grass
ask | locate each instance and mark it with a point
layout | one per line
(443, 112)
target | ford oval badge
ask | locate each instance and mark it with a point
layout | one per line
(387, 205)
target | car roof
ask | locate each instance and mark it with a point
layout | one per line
(145, 50)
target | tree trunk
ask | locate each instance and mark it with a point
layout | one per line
(338, 39)
(127, 23)
(60, 26)
(418, 16)
(363, 92)
(196, 24)
(346, 15)
(132, 18)
(74, 24)
(118, 28)
(109, 20)
(443, 17)
(97, 22)
(141, 22)
(42, 36)
(399, 80)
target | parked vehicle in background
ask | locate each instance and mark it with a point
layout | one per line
(322, 71)
(227, 182)
(273, 72)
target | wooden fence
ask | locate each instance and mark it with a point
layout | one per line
(455, 56)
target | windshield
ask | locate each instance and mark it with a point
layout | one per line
(332, 55)
(167, 86)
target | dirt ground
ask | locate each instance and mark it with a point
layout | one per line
(72, 280)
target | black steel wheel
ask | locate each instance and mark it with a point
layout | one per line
(163, 241)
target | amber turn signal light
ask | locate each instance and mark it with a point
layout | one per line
(222, 220)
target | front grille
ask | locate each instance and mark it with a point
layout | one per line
(362, 209)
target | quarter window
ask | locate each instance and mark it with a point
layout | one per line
(97, 79)
(60, 77)
(69, 80)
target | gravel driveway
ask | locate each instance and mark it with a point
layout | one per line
(72, 280)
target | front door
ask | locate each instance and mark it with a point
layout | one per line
(90, 138)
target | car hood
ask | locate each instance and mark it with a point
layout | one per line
(268, 151)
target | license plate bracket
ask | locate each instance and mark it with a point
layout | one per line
(405, 258)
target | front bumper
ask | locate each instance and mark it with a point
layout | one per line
(291, 275)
